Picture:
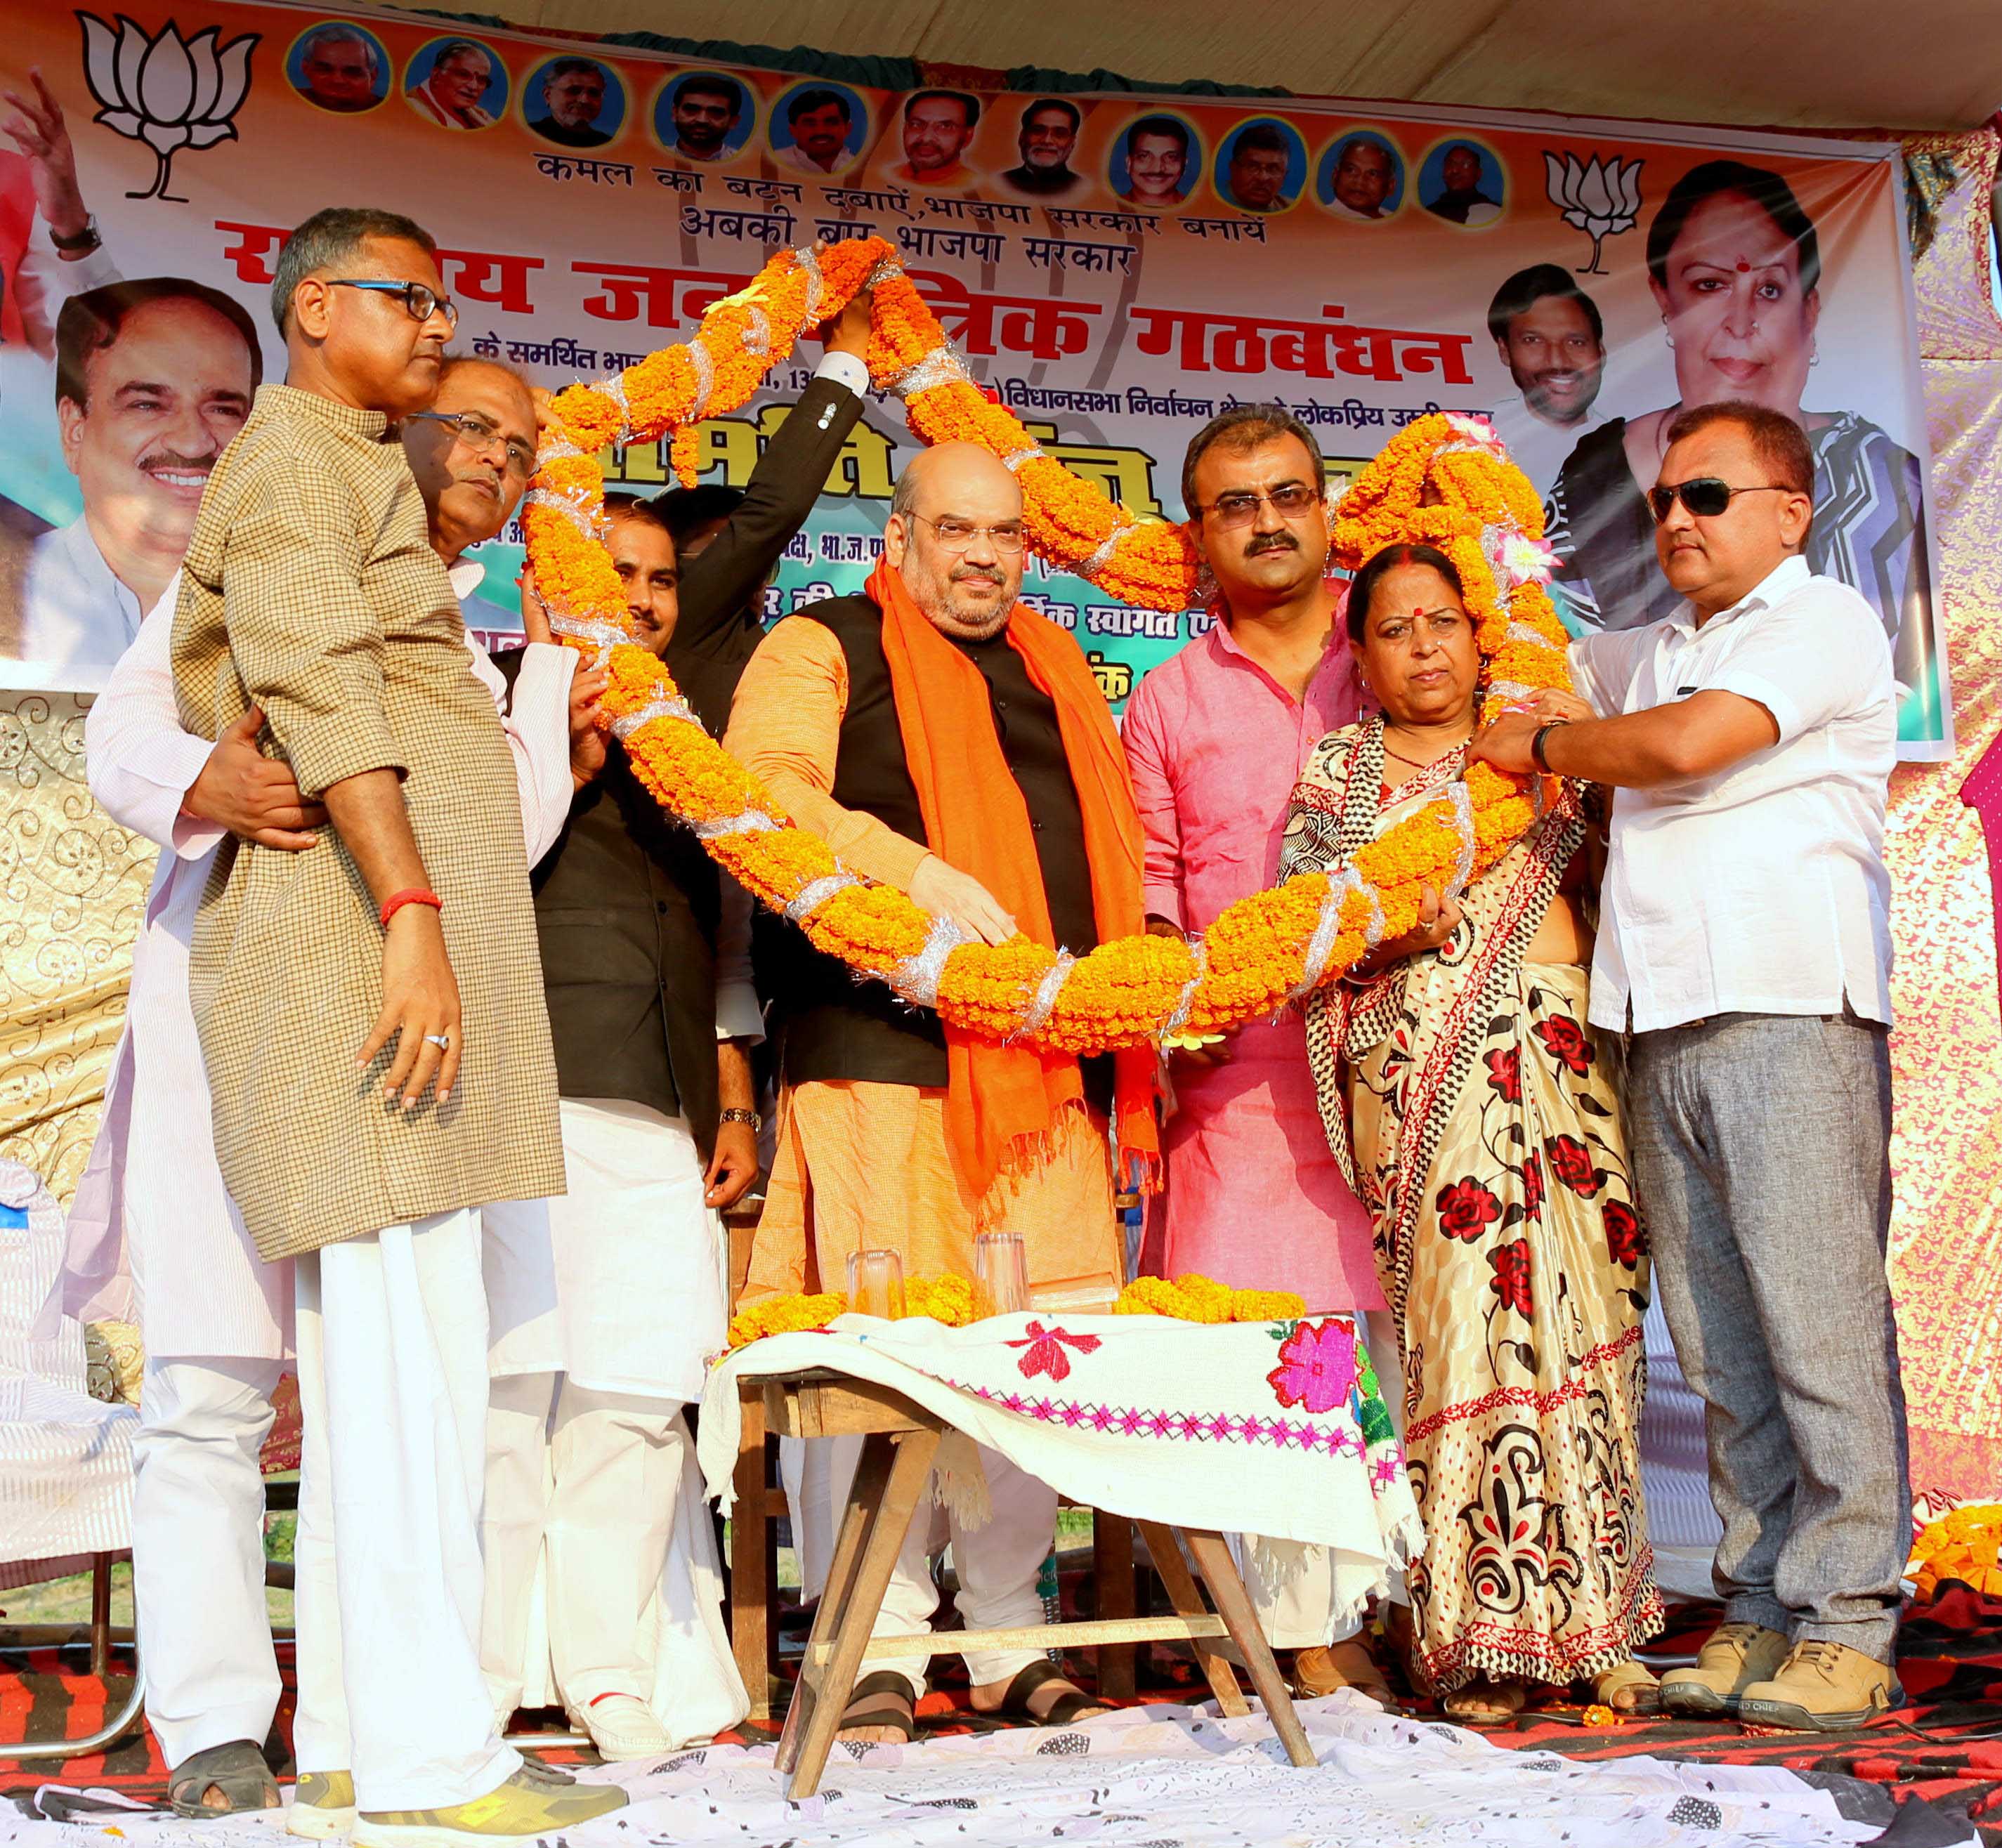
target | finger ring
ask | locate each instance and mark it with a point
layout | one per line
(442, 1041)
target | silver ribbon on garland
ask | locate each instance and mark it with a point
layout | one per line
(917, 978)
(1043, 1002)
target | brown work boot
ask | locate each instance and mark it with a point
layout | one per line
(1822, 1687)
(1737, 1655)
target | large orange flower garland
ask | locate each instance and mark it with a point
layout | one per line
(1262, 952)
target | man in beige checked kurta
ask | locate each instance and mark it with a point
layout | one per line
(404, 941)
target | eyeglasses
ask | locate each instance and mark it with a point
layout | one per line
(1705, 496)
(482, 437)
(1292, 501)
(419, 302)
(957, 536)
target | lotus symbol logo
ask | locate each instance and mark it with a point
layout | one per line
(168, 91)
(1601, 198)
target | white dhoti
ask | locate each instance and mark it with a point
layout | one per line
(392, 1395)
(198, 1554)
(606, 1304)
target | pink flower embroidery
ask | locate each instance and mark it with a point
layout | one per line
(1046, 1351)
(1316, 1366)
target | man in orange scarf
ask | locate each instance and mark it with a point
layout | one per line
(946, 739)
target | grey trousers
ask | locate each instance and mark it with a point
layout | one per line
(1761, 1151)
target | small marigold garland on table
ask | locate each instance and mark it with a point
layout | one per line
(950, 1299)
(1193, 1298)
(1263, 952)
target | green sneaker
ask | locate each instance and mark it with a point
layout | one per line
(524, 1805)
(323, 1806)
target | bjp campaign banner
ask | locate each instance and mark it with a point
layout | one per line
(1116, 268)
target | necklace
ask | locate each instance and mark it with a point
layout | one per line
(1415, 762)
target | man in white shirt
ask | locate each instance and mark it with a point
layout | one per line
(1745, 945)
(153, 378)
(152, 1221)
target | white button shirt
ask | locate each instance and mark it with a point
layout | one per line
(1761, 889)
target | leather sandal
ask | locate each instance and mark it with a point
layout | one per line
(896, 1707)
(1067, 1710)
(1627, 1678)
(237, 1769)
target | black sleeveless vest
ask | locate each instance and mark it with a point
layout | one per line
(836, 1027)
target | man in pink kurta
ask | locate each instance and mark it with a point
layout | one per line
(1216, 738)
(1254, 1197)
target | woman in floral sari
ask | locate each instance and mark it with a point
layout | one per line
(1475, 1113)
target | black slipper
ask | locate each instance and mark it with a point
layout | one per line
(237, 1769)
(1063, 1711)
(888, 1687)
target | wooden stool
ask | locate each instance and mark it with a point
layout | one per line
(760, 1504)
(900, 1439)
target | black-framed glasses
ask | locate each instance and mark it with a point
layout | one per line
(1705, 496)
(478, 435)
(419, 302)
(957, 536)
(1291, 500)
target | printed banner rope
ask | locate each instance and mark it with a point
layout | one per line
(1444, 480)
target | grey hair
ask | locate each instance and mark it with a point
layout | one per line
(342, 35)
(331, 237)
(1245, 426)
(904, 492)
(459, 47)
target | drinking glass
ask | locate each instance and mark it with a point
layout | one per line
(1000, 1274)
(876, 1284)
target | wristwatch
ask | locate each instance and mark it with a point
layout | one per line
(741, 1116)
(86, 241)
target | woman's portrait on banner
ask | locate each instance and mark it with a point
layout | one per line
(1735, 268)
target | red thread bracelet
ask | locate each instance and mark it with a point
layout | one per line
(411, 894)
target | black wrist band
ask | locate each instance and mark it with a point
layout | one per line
(85, 241)
(1536, 756)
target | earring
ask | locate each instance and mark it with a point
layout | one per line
(1666, 334)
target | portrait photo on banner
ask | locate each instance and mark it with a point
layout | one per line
(457, 83)
(817, 130)
(707, 116)
(339, 66)
(574, 101)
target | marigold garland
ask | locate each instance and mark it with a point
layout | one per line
(1965, 1545)
(1194, 1298)
(1262, 953)
(950, 1299)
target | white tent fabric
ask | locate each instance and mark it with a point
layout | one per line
(1832, 63)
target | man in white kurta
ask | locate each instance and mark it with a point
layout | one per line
(154, 1237)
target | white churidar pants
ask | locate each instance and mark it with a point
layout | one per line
(198, 1553)
(604, 1505)
(1298, 1612)
(606, 1303)
(392, 1399)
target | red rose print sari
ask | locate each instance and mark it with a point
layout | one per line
(1476, 1115)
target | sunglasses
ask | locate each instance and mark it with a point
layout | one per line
(420, 303)
(1705, 496)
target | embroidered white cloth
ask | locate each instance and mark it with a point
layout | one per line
(1277, 1430)
(1147, 1777)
